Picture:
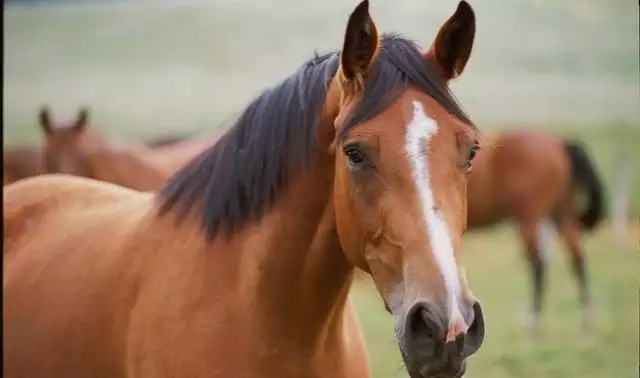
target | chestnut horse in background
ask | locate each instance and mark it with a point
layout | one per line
(21, 161)
(241, 265)
(26, 160)
(81, 150)
(532, 177)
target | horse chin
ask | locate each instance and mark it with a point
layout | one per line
(416, 374)
(424, 371)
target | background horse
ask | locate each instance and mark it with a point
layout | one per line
(27, 160)
(21, 161)
(532, 177)
(241, 264)
(81, 150)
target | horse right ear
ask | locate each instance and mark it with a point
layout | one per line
(454, 42)
(44, 118)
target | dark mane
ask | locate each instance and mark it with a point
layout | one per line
(239, 178)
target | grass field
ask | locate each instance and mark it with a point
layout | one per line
(499, 277)
(570, 67)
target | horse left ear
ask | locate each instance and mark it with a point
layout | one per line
(452, 46)
(360, 43)
(82, 120)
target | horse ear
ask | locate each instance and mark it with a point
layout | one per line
(452, 46)
(360, 43)
(82, 120)
(44, 117)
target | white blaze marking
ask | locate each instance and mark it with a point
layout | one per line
(419, 133)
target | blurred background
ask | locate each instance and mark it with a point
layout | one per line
(569, 67)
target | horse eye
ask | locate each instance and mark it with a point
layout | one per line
(472, 154)
(355, 155)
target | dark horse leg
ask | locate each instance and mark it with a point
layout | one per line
(531, 233)
(571, 232)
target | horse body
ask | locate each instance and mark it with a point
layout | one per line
(78, 149)
(509, 172)
(140, 167)
(531, 178)
(21, 161)
(174, 155)
(78, 290)
(241, 264)
(128, 166)
(120, 303)
(253, 305)
(81, 150)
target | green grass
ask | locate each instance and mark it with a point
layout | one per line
(499, 277)
(569, 67)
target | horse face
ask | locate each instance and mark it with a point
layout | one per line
(64, 152)
(400, 197)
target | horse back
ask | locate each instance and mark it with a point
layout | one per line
(31, 202)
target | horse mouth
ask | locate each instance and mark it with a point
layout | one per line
(429, 371)
(427, 374)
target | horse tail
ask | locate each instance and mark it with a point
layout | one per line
(583, 173)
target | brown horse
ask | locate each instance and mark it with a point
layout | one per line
(22, 161)
(240, 266)
(533, 177)
(81, 150)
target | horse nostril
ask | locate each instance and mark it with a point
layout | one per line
(422, 332)
(460, 342)
(420, 324)
(475, 334)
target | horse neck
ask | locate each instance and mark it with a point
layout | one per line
(304, 277)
